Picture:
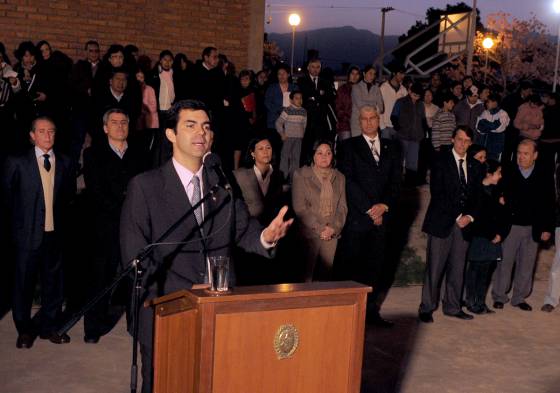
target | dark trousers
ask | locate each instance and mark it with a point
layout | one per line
(445, 256)
(147, 353)
(360, 257)
(46, 262)
(477, 281)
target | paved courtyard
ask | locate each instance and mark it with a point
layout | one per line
(511, 351)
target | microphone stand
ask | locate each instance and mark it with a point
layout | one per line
(136, 266)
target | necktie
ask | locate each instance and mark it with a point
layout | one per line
(47, 163)
(374, 152)
(315, 81)
(196, 198)
(463, 179)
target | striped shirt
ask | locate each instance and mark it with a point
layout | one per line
(443, 125)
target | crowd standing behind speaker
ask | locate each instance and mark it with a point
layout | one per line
(107, 113)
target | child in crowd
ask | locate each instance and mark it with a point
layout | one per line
(490, 127)
(291, 126)
(443, 123)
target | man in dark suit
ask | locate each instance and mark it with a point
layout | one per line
(319, 100)
(108, 167)
(373, 170)
(454, 185)
(38, 187)
(156, 199)
(529, 194)
(116, 95)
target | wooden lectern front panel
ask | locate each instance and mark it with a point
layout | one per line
(245, 359)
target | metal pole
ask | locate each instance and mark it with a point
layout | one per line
(486, 66)
(293, 44)
(556, 62)
(384, 10)
(470, 39)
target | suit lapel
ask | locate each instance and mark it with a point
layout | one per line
(364, 150)
(58, 174)
(34, 172)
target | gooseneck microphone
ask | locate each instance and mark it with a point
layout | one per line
(213, 161)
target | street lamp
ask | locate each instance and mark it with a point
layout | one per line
(294, 20)
(487, 43)
(556, 8)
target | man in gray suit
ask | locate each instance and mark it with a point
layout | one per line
(156, 199)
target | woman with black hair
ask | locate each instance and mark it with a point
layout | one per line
(181, 76)
(319, 201)
(487, 234)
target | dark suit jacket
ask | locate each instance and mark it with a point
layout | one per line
(445, 190)
(208, 86)
(25, 200)
(366, 183)
(154, 201)
(316, 100)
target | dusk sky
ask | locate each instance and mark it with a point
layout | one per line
(365, 14)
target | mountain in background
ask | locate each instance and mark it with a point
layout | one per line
(336, 45)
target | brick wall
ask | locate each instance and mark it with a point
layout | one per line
(183, 26)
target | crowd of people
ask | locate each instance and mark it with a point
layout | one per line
(339, 157)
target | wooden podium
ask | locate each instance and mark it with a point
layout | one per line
(287, 338)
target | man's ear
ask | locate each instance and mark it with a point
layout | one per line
(105, 130)
(170, 134)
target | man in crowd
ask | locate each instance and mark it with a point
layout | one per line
(108, 167)
(372, 166)
(391, 91)
(511, 104)
(454, 186)
(38, 188)
(157, 198)
(469, 109)
(318, 100)
(529, 199)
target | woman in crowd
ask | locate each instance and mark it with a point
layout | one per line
(487, 233)
(365, 93)
(261, 187)
(148, 120)
(319, 201)
(181, 73)
(344, 104)
(529, 119)
(477, 152)
(278, 96)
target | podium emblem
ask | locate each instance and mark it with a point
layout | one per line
(286, 341)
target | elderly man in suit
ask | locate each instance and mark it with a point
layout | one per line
(373, 169)
(454, 186)
(156, 199)
(38, 187)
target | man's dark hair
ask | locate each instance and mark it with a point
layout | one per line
(164, 53)
(91, 42)
(130, 49)
(26, 46)
(369, 67)
(114, 48)
(535, 99)
(494, 97)
(474, 149)
(294, 92)
(175, 111)
(492, 166)
(455, 83)
(208, 50)
(468, 77)
(466, 129)
(352, 68)
(244, 73)
(417, 88)
(525, 85)
(119, 70)
(449, 97)
(41, 118)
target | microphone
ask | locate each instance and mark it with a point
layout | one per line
(213, 161)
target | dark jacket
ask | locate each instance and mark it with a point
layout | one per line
(319, 103)
(409, 119)
(344, 107)
(154, 80)
(104, 100)
(445, 190)
(467, 116)
(24, 198)
(208, 86)
(367, 183)
(530, 201)
(82, 85)
(273, 102)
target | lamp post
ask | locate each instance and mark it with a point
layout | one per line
(487, 43)
(294, 20)
(556, 8)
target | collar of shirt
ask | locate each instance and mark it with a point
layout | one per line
(526, 172)
(205, 66)
(118, 152)
(186, 176)
(375, 140)
(161, 70)
(93, 64)
(118, 97)
(40, 153)
(263, 181)
(457, 158)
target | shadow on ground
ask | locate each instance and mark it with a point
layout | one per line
(387, 353)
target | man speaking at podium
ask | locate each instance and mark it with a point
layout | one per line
(157, 199)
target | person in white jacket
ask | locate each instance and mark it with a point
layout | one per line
(391, 91)
(490, 127)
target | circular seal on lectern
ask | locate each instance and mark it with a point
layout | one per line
(286, 341)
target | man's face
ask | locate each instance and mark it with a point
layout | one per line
(212, 59)
(484, 94)
(436, 81)
(399, 77)
(166, 62)
(314, 68)
(262, 78)
(191, 138)
(526, 155)
(472, 99)
(92, 53)
(116, 127)
(369, 76)
(369, 121)
(467, 83)
(457, 90)
(526, 92)
(461, 142)
(449, 105)
(116, 59)
(354, 76)
(118, 82)
(245, 81)
(491, 105)
(45, 51)
(414, 96)
(43, 136)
